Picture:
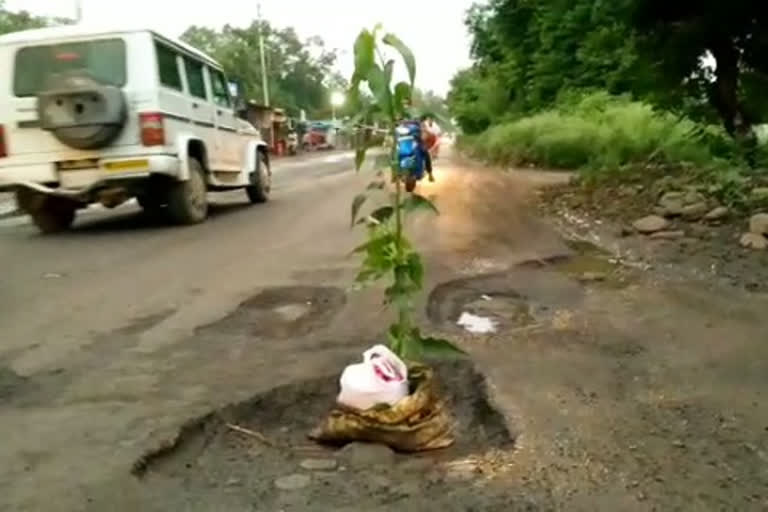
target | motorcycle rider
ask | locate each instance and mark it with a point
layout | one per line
(429, 140)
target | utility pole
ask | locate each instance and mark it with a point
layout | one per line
(78, 11)
(264, 81)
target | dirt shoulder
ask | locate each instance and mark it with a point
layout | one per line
(691, 246)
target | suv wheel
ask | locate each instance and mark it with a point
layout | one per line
(261, 182)
(187, 200)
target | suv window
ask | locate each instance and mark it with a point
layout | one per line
(220, 89)
(103, 59)
(168, 67)
(195, 78)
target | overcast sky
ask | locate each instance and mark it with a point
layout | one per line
(433, 28)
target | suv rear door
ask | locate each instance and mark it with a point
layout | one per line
(202, 109)
(227, 134)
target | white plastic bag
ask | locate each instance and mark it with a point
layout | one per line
(382, 378)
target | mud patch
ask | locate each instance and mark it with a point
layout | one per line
(144, 323)
(12, 385)
(516, 299)
(588, 264)
(281, 312)
(209, 459)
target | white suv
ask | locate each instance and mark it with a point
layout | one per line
(95, 115)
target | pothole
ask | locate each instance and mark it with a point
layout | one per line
(282, 312)
(261, 460)
(511, 300)
(589, 264)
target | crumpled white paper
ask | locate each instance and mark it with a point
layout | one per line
(476, 324)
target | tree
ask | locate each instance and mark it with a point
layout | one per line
(528, 52)
(17, 21)
(428, 102)
(680, 34)
(299, 73)
(478, 98)
(539, 47)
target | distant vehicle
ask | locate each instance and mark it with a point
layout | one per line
(98, 115)
(320, 135)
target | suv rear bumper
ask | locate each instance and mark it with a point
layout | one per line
(77, 183)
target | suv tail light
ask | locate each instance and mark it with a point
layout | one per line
(152, 129)
(3, 148)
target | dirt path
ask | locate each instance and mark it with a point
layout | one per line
(604, 387)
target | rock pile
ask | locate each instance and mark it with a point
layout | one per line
(758, 231)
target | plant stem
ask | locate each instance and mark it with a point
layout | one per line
(403, 318)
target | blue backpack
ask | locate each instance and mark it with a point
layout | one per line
(410, 153)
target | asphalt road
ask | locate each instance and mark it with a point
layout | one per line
(117, 265)
(84, 315)
(644, 394)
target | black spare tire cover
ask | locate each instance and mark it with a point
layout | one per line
(80, 111)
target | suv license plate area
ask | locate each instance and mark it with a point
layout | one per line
(77, 165)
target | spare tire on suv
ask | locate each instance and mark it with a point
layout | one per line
(80, 111)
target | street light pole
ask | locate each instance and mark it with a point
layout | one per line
(264, 81)
(78, 11)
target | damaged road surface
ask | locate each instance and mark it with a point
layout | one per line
(145, 367)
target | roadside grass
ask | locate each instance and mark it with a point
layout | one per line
(615, 139)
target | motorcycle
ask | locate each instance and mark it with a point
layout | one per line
(293, 143)
(411, 154)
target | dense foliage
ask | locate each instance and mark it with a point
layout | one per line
(16, 21)
(300, 73)
(527, 52)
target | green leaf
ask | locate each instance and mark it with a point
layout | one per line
(360, 158)
(415, 269)
(410, 61)
(389, 68)
(440, 348)
(379, 85)
(364, 54)
(402, 96)
(383, 214)
(418, 202)
(357, 202)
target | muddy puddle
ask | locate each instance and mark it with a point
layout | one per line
(256, 454)
(520, 298)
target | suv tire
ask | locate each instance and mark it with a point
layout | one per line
(187, 200)
(261, 182)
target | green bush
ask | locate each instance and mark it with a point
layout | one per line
(603, 133)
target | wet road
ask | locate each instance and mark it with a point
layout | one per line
(82, 313)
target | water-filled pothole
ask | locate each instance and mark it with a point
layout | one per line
(514, 299)
(282, 312)
(209, 455)
(590, 264)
